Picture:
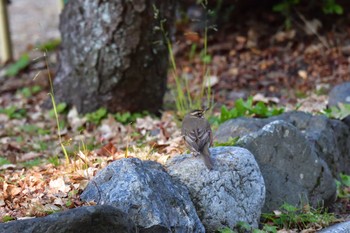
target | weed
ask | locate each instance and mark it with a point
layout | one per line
(22, 63)
(59, 108)
(290, 217)
(13, 112)
(34, 129)
(4, 161)
(285, 8)
(247, 108)
(343, 186)
(7, 218)
(49, 45)
(30, 91)
(230, 142)
(97, 116)
(185, 100)
(54, 160)
(340, 111)
(55, 112)
(127, 117)
(32, 163)
(331, 7)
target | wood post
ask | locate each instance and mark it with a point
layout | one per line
(5, 38)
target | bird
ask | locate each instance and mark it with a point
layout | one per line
(197, 135)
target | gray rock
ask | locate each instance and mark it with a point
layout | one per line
(88, 219)
(329, 138)
(343, 227)
(233, 191)
(147, 193)
(339, 94)
(292, 171)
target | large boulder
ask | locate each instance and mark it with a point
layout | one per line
(292, 170)
(147, 193)
(339, 94)
(92, 219)
(330, 139)
(232, 191)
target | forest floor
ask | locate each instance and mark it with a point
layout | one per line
(291, 68)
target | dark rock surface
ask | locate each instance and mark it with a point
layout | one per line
(232, 191)
(339, 94)
(147, 193)
(329, 138)
(343, 227)
(292, 171)
(88, 219)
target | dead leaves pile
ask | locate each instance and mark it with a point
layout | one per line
(44, 188)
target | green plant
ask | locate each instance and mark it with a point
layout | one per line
(338, 112)
(97, 116)
(55, 112)
(59, 108)
(4, 161)
(54, 160)
(34, 129)
(30, 91)
(343, 186)
(285, 7)
(184, 99)
(22, 63)
(290, 217)
(7, 218)
(127, 117)
(13, 112)
(32, 163)
(230, 142)
(248, 108)
(49, 45)
(331, 7)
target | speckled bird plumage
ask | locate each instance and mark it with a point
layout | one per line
(198, 135)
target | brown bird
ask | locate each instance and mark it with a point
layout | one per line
(198, 135)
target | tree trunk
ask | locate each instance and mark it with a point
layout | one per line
(112, 56)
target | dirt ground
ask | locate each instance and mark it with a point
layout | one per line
(32, 22)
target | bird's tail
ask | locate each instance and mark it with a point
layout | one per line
(206, 156)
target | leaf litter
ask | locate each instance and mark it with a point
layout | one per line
(35, 180)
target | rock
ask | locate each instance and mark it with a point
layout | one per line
(339, 94)
(329, 138)
(343, 227)
(92, 219)
(147, 193)
(233, 191)
(292, 170)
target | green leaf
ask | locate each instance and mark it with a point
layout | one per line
(206, 59)
(60, 108)
(4, 161)
(230, 142)
(289, 208)
(240, 107)
(7, 218)
(272, 229)
(97, 116)
(18, 66)
(260, 109)
(280, 7)
(345, 179)
(338, 9)
(225, 230)
(49, 45)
